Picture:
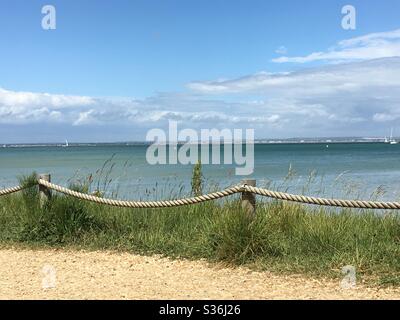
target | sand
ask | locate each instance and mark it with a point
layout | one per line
(73, 274)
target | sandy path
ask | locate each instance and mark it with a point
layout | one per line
(109, 275)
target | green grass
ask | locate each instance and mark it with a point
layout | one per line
(282, 237)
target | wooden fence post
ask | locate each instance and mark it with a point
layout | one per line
(249, 199)
(44, 193)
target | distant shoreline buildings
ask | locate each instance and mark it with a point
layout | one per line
(256, 141)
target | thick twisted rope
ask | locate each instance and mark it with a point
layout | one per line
(10, 190)
(213, 196)
(227, 192)
(143, 204)
(322, 201)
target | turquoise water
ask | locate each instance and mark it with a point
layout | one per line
(348, 170)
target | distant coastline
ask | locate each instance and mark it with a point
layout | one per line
(256, 141)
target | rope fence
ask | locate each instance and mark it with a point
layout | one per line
(247, 189)
(7, 191)
(143, 204)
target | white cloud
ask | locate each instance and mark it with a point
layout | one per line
(359, 98)
(281, 50)
(21, 99)
(29, 107)
(381, 74)
(371, 46)
(386, 117)
(329, 97)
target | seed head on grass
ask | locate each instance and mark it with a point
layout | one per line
(197, 180)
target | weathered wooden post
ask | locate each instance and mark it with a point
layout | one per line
(249, 199)
(44, 193)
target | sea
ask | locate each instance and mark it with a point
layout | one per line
(369, 171)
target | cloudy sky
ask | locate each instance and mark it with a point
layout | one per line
(111, 71)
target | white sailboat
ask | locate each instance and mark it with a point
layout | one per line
(391, 140)
(66, 144)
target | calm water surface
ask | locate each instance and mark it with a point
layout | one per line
(346, 170)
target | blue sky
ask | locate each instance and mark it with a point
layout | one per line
(114, 69)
